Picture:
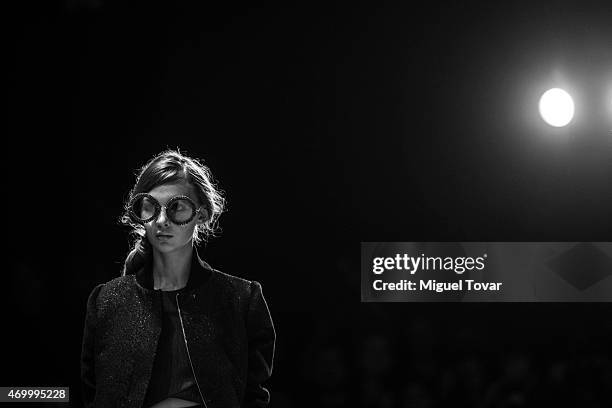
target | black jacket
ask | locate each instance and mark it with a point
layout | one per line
(228, 328)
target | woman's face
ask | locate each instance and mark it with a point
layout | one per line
(162, 233)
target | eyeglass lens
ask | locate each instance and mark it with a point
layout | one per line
(179, 210)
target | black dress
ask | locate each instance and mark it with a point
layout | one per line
(172, 375)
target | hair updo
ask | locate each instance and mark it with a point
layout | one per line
(169, 167)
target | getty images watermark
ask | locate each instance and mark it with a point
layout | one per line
(410, 264)
(486, 271)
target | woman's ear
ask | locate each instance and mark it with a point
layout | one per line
(202, 216)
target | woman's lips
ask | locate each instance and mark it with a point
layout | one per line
(163, 236)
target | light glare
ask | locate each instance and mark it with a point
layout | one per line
(556, 107)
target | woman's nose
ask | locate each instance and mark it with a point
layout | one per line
(163, 217)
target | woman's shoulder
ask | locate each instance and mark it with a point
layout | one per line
(235, 283)
(106, 297)
(226, 279)
(113, 287)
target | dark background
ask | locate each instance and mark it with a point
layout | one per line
(326, 125)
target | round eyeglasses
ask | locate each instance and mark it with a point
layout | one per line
(179, 209)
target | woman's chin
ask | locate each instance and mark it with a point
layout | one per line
(166, 247)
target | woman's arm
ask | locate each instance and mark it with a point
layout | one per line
(261, 336)
(88, 377)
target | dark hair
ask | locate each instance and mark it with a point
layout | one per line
(171, 166)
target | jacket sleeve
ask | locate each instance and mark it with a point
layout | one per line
(262, 337)
(88, 375)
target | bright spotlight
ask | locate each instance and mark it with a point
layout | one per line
(556, 107)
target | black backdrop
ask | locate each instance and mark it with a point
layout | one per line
(326, 125)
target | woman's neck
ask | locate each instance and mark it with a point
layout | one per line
(171, 269)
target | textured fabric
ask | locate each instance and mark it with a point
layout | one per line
(172, 375)
(228, 328)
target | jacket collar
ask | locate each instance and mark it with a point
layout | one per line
(200, 273)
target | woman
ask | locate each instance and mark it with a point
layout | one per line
(172, 331)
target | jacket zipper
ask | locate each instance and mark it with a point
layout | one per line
(188, 355)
